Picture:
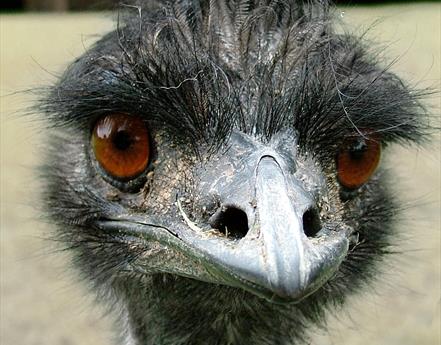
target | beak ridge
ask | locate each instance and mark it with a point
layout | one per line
(280, 230)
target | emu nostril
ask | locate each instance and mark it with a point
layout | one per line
(311, 222)
(232, 222)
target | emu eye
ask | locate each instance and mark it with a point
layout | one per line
(121, 145)
(357, 160)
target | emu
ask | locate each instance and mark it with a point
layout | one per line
(215, 168)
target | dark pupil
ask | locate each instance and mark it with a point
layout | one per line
(122, 140)
(358, 149)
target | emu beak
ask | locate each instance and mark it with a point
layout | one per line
(275, 259)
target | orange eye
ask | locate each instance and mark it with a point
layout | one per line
(121, 145)
(357, 161)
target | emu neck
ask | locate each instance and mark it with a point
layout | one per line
(170, 310)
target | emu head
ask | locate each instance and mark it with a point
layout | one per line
(216, 167)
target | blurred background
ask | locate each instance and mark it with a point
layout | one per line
(41, 299)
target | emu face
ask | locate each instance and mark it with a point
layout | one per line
(216, 168)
